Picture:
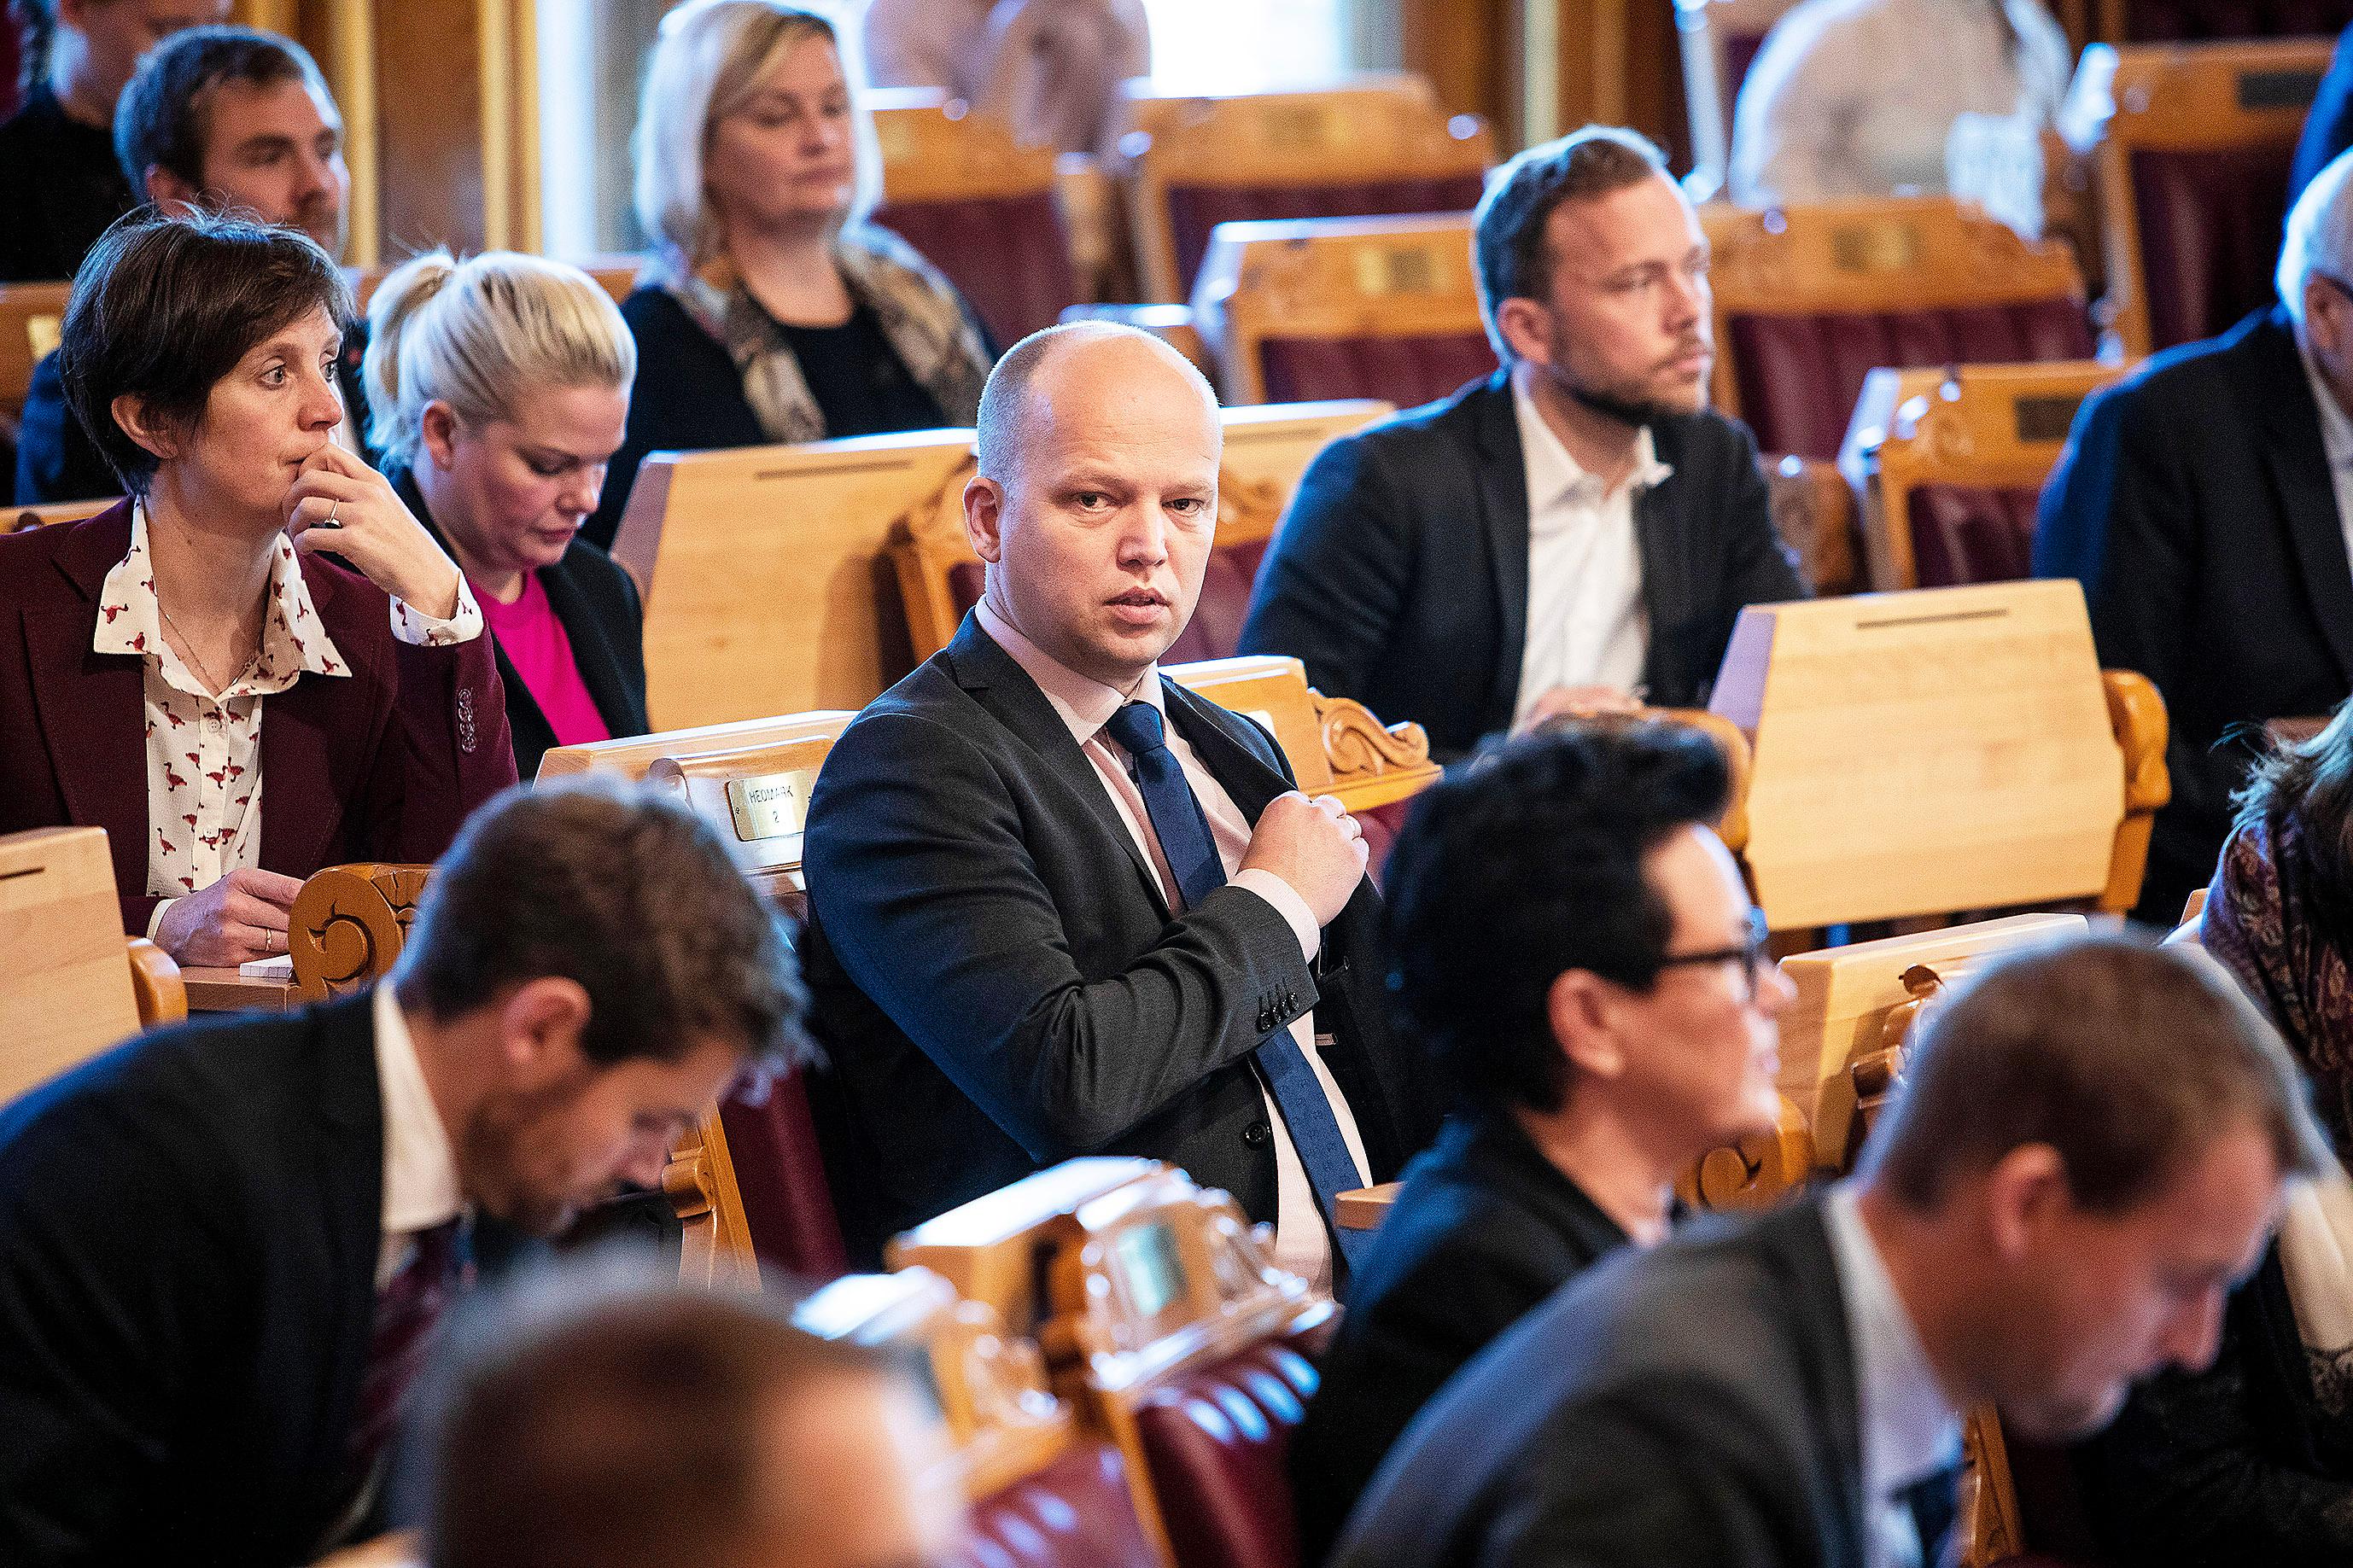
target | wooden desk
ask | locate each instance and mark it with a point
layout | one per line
(227, 991)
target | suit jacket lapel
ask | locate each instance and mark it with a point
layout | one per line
(1820, 1308)
(1244, 775)
(1002, 687)
(311, 732)
(2307, 495)
(92, 706)
(1502, 502)
(350, 1172)
(1662, 545)
(600, 667)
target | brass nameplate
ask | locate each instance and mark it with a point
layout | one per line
(1875, 246)
(770, 805)
(2045, 419)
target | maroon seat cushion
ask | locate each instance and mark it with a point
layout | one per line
(1972, 533)
(2169, 21)
(1195, 210)
(2210, 236)
(1404, 371)
(1740, 52)
(1216, 624)
(1010, 256)
(1215, 1441)
(786, 1204)
(1798, 375)
(1077, 1512)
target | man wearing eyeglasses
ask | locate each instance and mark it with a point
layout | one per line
(1577, 948)
(2205, 504)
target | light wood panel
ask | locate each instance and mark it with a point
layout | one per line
(31, 315)
(65, 977)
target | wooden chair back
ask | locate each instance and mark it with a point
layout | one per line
(1815, 513)
(1372, 144)
(1808, 299)
(1334, 744)
(2184, 21)
(616, 274)
(348, 924)
(984, 209)
(1267, 449)
(31, 317)
(1951, 462)
(2192, 170)
(1720, 39)
(1297, 309)
(15, 517)
(71, 983)
(997, 1248)
(1944, 751)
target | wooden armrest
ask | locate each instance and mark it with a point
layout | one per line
(2137, 715)
(156, 985)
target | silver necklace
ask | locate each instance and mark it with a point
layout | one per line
(188, 647)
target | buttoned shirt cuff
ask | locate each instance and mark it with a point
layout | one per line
(1287, 904)
(418, 629)
(156, 918)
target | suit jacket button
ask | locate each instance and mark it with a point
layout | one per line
(1255, 1135)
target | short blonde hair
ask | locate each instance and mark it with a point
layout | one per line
(483, 335)
(710, 57)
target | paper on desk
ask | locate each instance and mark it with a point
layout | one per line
(281, 967)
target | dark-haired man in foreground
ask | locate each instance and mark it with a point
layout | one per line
(1606, 1011)
(2088, 1150)
(223, 1245)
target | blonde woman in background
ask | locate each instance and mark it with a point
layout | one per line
(773, 310)
(499, 387)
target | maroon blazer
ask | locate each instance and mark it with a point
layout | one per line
(382, 764)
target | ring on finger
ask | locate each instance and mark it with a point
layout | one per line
(328, 520)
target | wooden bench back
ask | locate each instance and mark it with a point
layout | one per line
(31, 315)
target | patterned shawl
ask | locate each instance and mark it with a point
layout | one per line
(921, 313)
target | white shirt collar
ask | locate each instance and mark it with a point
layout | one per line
(420, 1175)
(1554, 476)
(294, 640)
(1910, 1430)
(2336, 428)
(1083, 703)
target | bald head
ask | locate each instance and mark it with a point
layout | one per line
(1023, 386)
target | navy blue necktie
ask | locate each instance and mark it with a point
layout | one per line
(1183, 829)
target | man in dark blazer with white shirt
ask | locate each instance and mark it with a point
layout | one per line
(2201, 504)
(1062, 906)
(1578, 530)
(223, 1245)
(2089, 1150)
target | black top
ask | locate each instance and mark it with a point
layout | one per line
(60, 187)
(57, 461)
(1485, 1229)
(860, 384)
(1400, 573)
(597, 604)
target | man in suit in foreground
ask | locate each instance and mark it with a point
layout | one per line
(1578, 530)
(2088, 1150)
(2203, 503)
(1062, 906)
(223, 1246)
(1606, 1011)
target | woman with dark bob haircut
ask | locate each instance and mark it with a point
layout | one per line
(166, 662)
(2252, 1459)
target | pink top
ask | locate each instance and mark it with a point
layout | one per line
(533, 639)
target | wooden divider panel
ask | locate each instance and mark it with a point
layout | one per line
(65, 977)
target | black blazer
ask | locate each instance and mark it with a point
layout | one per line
(688, 397)
(1691, 1404)
(998, 985)
(2236, 1464)
(188, 1236)
(1485, 1229)
(2194, 503)
(57, 461)
(597, 604)
(1400, 574)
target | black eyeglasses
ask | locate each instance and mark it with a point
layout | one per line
(1750, 955)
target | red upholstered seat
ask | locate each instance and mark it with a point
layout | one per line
(1798, 375)
(788, 1206)
(1740, 52)
(1216, 624)
(1404, 371)
(1972, 533)
(1009, 256)
(1195, 210)
(1215, 1441)
(2171, 21)
(1077, 1512)
(2209, 234)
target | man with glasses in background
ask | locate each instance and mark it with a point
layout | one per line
(1606, 1011)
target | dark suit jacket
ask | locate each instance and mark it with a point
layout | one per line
(2328, 124)
(1486, 1228)
(2240, 1463)
(189, 1236)
(381, 765)
(688, 397)
(1693, 1404)
(597, 604)
(57, 461)
(999, 986)
(1400, 574)
(2194, 503)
